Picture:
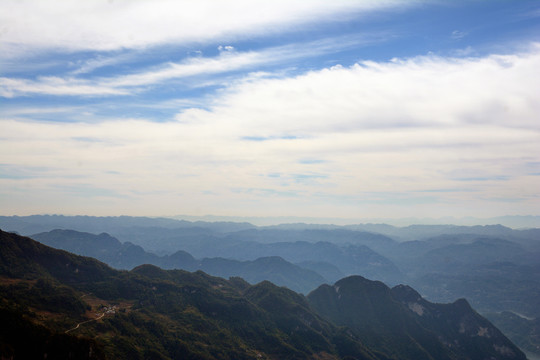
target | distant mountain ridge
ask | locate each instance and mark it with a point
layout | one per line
(158, 314)
(32, 224)
(114, 225)
(127, 256)
(513, 221)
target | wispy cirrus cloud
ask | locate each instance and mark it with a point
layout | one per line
(121, 24)
(100, 61)
(458, 35)
(228, 60)
(53, 85)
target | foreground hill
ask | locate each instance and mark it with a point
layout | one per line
(150, 313)
(158, 314)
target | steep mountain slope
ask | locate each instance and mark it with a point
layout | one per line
(400, 323)
(442, 261)
(153, 313)
(350, 251)
(102, 247)
(25, 258)
(150, 313)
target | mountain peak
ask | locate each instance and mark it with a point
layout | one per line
(381, 316)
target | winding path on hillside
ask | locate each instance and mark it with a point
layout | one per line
(84, 322)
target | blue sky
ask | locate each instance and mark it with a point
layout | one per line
(351, 109)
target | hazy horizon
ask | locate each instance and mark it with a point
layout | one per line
(297, 109)
(511, 221)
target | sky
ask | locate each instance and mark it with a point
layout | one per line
(307, 108)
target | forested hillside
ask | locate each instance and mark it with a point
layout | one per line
(173, 314)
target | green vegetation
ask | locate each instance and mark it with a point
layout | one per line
(69, 304)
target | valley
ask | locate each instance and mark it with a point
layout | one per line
(497, 275)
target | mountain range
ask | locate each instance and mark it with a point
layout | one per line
(497, 269)
(69, 306)
(127, 256)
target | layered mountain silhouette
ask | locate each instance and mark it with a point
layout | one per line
(494, 267)
(127, 256)
(151, 313)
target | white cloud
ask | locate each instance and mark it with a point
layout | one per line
(420, 92)
(225, 48)
(52, 85)
(458, 35)
(88, 66)
(228, 60)
(377, 134)
(121, 24)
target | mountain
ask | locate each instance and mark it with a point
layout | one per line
(127, 256)
(311, 233)
(271, 268)
(150, 313)
(493, 266)
(402, 262)
(348, 258)
(459, 258)
(145, 228)
(400, 323)
(23, 257)
(419, 232)
(40, 223)
(102, 247)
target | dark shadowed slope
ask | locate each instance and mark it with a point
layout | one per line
(154, 313)
(400, 323)
(163, 314)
